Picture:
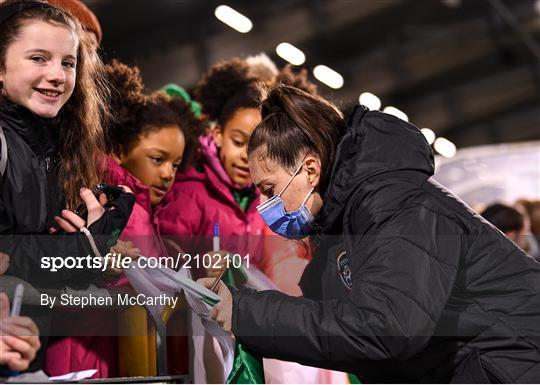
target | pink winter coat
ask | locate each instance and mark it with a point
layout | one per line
(99, 352)
(201, 197)
(142, 228)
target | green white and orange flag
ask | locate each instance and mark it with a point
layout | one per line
(247, 366)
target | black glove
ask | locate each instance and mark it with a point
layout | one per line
(109, 226)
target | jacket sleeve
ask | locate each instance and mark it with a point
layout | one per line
(402, 278)
(181, 221)
(181, 216)
(33, 256)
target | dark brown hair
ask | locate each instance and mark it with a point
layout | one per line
(138, 114)
(80, 119)
(295, 123)
(532, 208)
(226, 88)
(298, 78)
(503, 217)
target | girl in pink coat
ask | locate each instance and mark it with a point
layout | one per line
(217, 189)
(154, 137)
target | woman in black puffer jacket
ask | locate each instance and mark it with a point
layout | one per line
(407, 283)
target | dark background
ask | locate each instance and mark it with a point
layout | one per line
(467, 69)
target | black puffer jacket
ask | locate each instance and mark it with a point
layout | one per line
(408, 284)
(30, 197)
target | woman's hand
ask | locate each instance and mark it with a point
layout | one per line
(222, 311)
(4, 263)
(71, 222)
(19, 339)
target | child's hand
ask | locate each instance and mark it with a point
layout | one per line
(19, 339)
(123, 250)
(218, 263)
(71, 222)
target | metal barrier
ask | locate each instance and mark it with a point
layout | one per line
(32, 297)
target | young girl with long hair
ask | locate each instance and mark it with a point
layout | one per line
(51, 111)
(52, 108)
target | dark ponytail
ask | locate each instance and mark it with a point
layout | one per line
(294, 123)
(298, 78)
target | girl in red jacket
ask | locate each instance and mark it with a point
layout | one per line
(154, 136)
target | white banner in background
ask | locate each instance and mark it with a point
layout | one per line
(495, 173)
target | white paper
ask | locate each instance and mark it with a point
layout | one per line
(204, 327)
(75, 376)
(183, 279)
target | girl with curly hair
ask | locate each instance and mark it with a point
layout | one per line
(153, 136)
(218, 188)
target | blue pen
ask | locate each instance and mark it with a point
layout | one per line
(216, 245)
(215, 240)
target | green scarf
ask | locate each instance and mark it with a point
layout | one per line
(243, 197)
(247, 367)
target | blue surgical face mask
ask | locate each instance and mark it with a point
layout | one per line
(294, 224)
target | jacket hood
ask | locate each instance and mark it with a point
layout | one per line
(39, 133)
(209, 171)
(206, 161)
(118, 175)
(210, 155)
(208, 168)
(374, 144)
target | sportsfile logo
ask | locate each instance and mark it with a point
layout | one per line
(109, 261)
(117, 261)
